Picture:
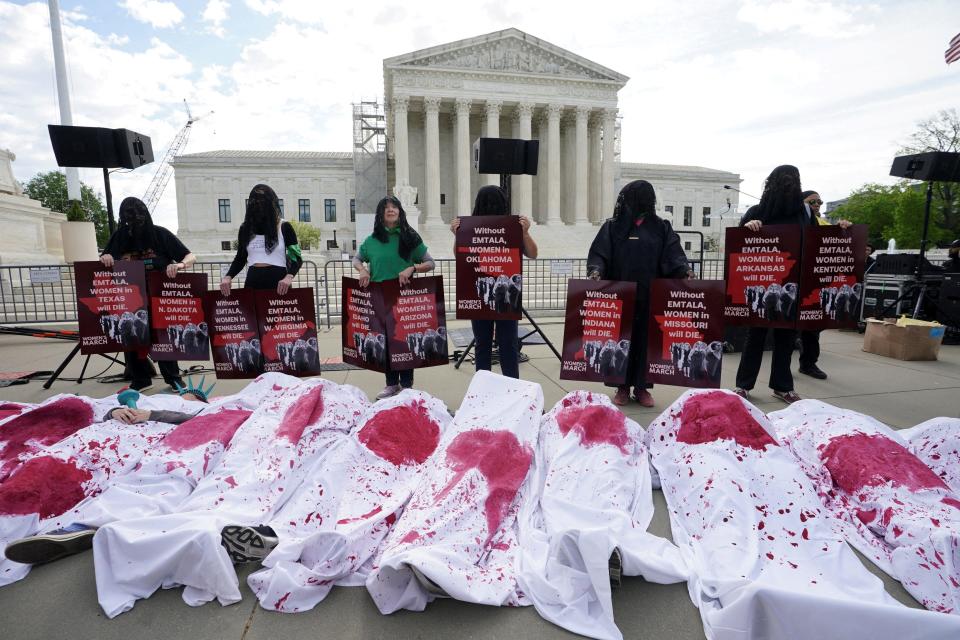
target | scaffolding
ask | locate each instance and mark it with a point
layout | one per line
(369, 155)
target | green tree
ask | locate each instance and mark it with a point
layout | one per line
(940, 133)
(894, 211)
(50, 188)
(307, 235)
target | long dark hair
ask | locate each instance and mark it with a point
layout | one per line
(135, 227)
(262, 217)
(409, 239)
(782, 197)
(637, 199)
(491, 201)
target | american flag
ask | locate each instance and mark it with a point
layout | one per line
(952, 54)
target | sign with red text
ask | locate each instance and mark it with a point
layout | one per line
(234, 334)
(489, 268)
(288, 331)
(597, 330)
(685, 333)
(831, 277)
(763, 276)
(363, 325)
(416, 323)
(178, 327)
(112, 306)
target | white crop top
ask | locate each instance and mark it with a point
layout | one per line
(257, 251)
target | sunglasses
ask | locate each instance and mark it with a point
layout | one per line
(814, 201)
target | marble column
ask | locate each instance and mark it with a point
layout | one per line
(582, 174)
(522, 186)
(431, 130)
(553, 164)
(464, 157)
(595, 208)
(608, 196)
(491, 113)
(400, 152)
(542, 179)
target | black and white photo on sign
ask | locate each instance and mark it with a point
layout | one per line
(841, 303)
(301, 355)
(701, 361)
(429, 345)
(608, 359)
(501, 294)
(245, 355)
(128, 328)
(775, 302)
(371, 347)
(189, 338)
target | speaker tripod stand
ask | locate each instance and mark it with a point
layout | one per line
(536, 329)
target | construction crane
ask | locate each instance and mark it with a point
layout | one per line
(164, 171)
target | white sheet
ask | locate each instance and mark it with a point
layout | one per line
(459, 528)
(937, 443)
(765, 558)
(590, 495)
(332, 526)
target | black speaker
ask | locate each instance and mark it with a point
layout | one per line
(506, 155)
(934, 166)
(98, 147)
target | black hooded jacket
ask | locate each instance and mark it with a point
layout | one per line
(154, 245)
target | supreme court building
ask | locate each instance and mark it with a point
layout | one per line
(437, 102)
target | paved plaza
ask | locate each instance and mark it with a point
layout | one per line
(59, 600)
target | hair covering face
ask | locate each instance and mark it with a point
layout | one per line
(636, 201)
(409, 239)
(782, 198)
(491, 201)
(135, 225)
(262, 217)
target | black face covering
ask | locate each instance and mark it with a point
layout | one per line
(636, 201)
(136, 226)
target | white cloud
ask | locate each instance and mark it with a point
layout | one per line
(215, 14)
(821, 18)
(160, 14)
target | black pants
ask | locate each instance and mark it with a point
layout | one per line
(140, 372)
(781, 378)
(404, 378)
(507, 344)
(809, 348)
(264, 278)
(637, 358)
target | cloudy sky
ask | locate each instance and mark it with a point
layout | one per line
(742, 85)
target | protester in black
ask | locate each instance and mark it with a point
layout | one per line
(952, 264)
(268, 248)
(137, 238)
(781, 203)
(638, 246)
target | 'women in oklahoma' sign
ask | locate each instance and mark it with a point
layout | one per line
(489, 268)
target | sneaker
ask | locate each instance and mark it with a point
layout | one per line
(141, 385)
(643, 397)
(248, 544)
(622, 396)
(389, 392)
(743, 393)
(814, 372)
(616, 568)
(51, 546)
(787, 396)
(522, 357)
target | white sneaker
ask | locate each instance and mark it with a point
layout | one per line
(389, 392)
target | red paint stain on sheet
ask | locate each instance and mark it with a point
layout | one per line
(866, 517)
(41, 426)
(502, 460)
(707, 417)
(278, 605)
(304, 412)
(595, 424)
(8, 409)
(44, 485)
(953, 502)
(207, 428)
(411, 536)
(369, 514)
(858, 460)
(230, 480)
(403, 435)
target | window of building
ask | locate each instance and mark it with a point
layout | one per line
(687, 246)
(303, 206)
(280, 200)
(706, 216)
(668, 210)
(353, 210)
(354, 244)
(443, 198)
(687, 216)
(329, 210)
(331, 244)
(224, 205)
(224, 245)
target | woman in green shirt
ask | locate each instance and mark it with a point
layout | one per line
(393, 251)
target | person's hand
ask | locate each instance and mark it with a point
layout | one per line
(690, 274)
(754, 225)
(594, 275)
(225, 285)
(172, 269)
(405, 277)
(454, 225)
(364, 278)
(127, 415)
(525, 224)
(284, 285)
(845, 224)
(107, 260)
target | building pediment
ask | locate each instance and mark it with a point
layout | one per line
(510, 51)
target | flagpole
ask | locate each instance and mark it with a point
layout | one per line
(63, 92)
